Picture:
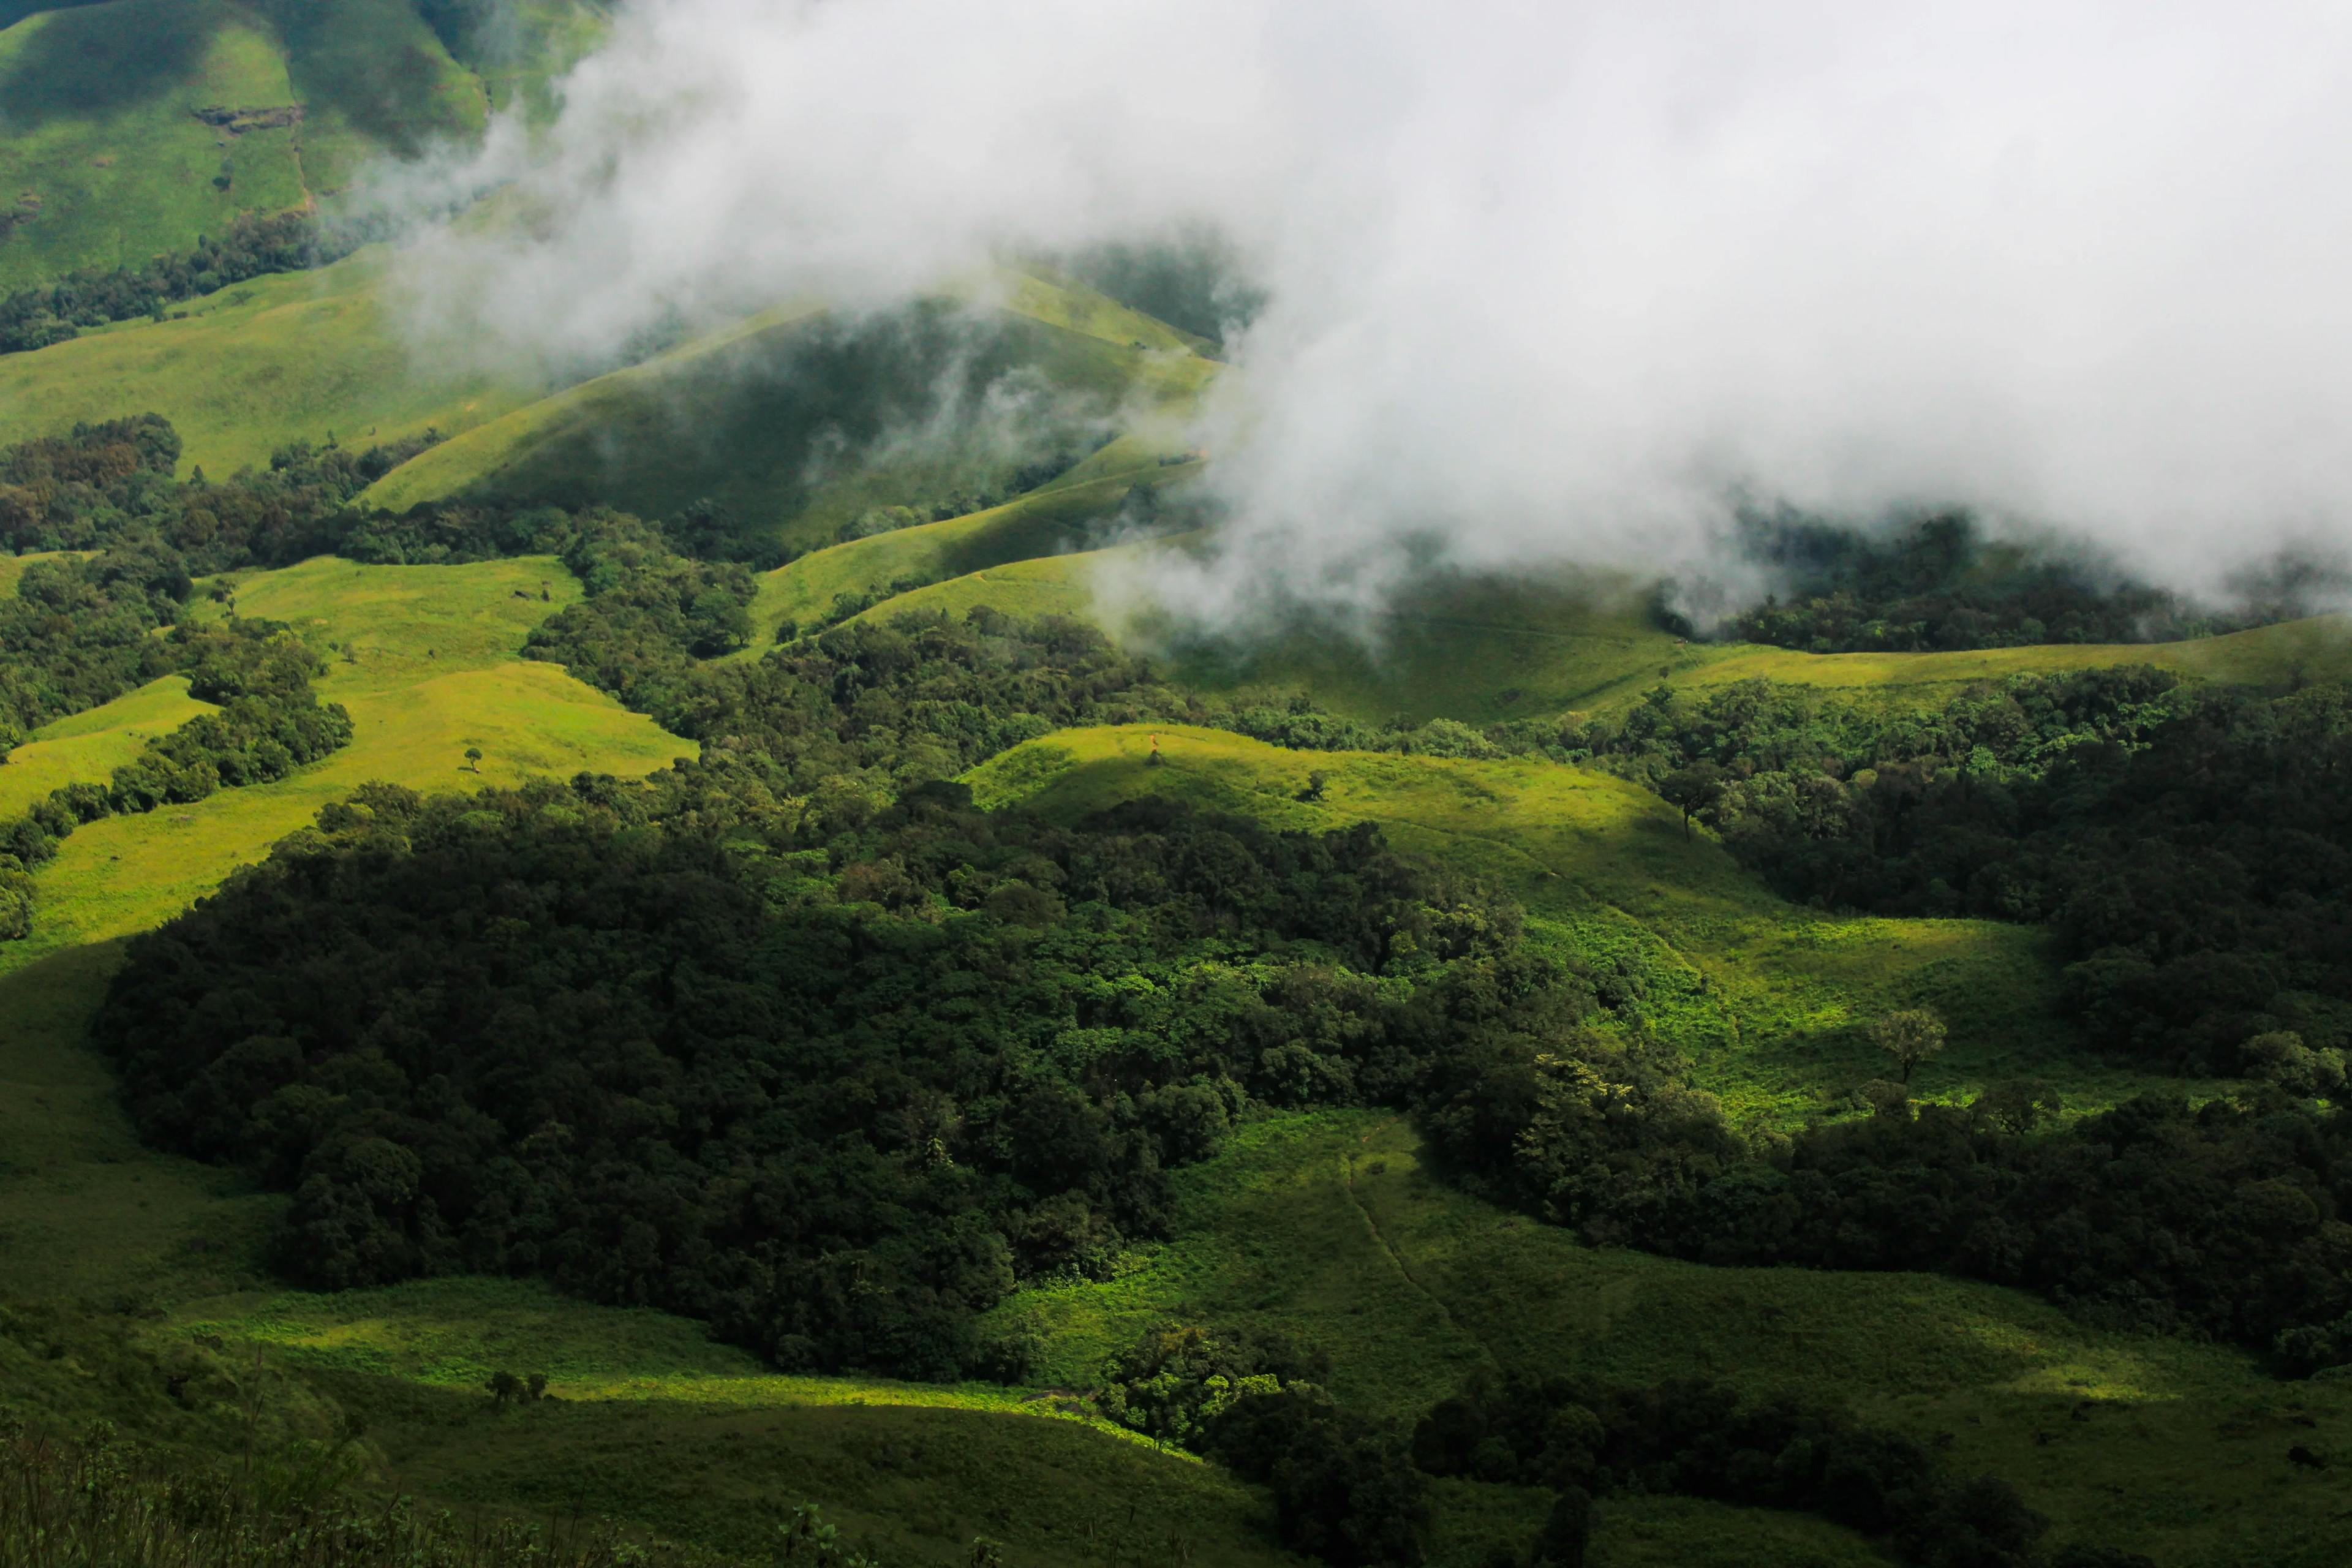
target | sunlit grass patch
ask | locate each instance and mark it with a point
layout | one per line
(433, 671)
(86, 747)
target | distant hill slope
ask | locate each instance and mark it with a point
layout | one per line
(103, 160)
(797, 421)
(132, 127)
(294, 357)
(1053, 519)
(1486, 649)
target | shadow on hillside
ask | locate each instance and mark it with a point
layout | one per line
(90, 62)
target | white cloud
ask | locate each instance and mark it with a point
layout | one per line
(1548, 281)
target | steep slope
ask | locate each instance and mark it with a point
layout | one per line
(1054, 518)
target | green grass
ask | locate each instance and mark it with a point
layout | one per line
(90, 745)
(95, 128)
(298, 356)
(12, 567)
(373, 78)
(2318, 648)
(1328, 1226)
(1044, 585)
(85, 1212)
(743, 417)
(433, 670)
(656, 1425)
(1053, 517)
(1483, 649)
(1768, 999)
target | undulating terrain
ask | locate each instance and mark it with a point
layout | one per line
(649, 949)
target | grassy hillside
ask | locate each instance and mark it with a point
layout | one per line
(1329, 1227)
(103, 161)
(277, 360)
(1484, 649)
(91, 745)
(100, 158)
(1767, 998)
(1052, 518)
(424, 658)
(657, 1426)
(373, 78)
(797, 422)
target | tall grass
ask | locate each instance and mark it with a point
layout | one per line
(100, 1503)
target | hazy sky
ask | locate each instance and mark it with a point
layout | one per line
(1550, 279)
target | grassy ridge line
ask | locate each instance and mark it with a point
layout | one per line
(689, 424)
(90, 745)
(2316, 648)
(1064, 302)
(499, 444)
(433, 669)
(254, 368)
(1486, 650)
(1035, 524)
(1768, 999)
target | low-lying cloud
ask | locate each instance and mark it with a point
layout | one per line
(1545, 281)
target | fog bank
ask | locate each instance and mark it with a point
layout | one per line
(1544, 281)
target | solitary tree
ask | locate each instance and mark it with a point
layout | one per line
(1910, 1037)
(1693, 789)
(474, 758)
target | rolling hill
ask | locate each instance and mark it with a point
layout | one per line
(993, 445)
(797, 422)
(130, 127)
(295, 357)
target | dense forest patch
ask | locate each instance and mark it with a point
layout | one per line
(2189, 843)
(834, 1088)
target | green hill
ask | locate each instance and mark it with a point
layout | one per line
(1332, 1229)
(1051, 519)
(1329, 1227)
(797, 422)
(1767, 997)
(295, 357)
(427, 660)
(101, 157)
(1482, 649)
(802, 426)
(129, 128)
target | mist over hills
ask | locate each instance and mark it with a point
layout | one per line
(1573, 284)
(888, 783)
